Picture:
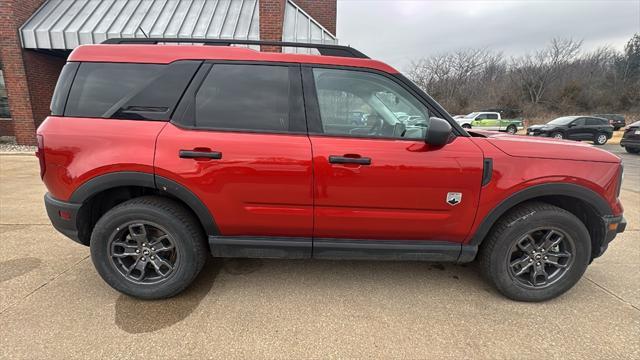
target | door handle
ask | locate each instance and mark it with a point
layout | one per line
(335, 159)
(194, 154)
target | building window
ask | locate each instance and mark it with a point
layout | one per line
(4, 100)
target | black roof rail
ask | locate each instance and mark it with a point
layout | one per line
(324, 49)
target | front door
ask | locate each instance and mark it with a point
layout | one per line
(239, 144)
(379, 180)
(578, 130)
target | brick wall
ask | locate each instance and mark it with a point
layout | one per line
(272, 17)
(6, 127)
(14, 13)
(42, 75)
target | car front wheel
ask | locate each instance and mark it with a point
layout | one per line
(631, 150)
(600, 139)
(148, 247)
(536, 252)
(466, 126)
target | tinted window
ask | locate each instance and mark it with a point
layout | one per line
(62, 88)
(244, 97)
(385, 108)
(128, 91)
(481, 117)
(578, 122)
(492, 116)
(594, 121)
(4, 101)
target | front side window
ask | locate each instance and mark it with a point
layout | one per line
(578, 122)
(363, 104)
(244, 97)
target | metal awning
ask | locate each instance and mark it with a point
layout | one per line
(66, 24)
(299, 26)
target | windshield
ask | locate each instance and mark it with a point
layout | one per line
(562, 120)
(471, 116)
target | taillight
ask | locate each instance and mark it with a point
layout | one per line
(40, 154)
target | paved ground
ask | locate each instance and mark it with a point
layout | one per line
(54, 305)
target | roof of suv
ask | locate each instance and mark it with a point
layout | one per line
(164, 54)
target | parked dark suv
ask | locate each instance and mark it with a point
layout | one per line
(595, 129)
(156, 155)
(631, 138)
(615, 120)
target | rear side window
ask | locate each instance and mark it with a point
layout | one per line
(594, 121)
(245, 97)
(128, 91)
(492, 116)
(62, 88)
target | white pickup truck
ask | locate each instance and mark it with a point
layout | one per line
(487, 120)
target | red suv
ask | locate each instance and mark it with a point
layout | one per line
(156, 154)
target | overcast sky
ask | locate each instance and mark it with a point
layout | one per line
(397, 31)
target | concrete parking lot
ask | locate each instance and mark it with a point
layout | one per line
(54, 305)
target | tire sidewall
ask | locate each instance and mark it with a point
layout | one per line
(596, 140)
(566, 222)
(117, 217)
(553, 135)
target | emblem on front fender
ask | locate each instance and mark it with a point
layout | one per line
(454, 198)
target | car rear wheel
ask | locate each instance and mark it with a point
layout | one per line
(557, 135)
(512, 129)
(600, 139)
(148, 247)
(536, 252)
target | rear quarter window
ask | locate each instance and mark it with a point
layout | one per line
(128, 91)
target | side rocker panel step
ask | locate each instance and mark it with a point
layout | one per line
(260, 247)
(334, 249)
(406, 250)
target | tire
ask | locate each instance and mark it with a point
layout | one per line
(129, 229)
(600, 139)
(616, 128)
(512, 129)
(631, 150)
(557, 135)
(496, 253)
(466, 126)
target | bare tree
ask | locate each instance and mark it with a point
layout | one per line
(536, 71)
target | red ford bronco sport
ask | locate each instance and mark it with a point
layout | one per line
(155, 155)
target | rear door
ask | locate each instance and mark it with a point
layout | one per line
(238, 141)
(381, 181)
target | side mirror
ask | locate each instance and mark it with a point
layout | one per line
(438, 132)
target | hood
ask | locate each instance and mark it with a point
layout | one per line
(545, 148)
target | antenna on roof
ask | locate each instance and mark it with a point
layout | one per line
(143, 33)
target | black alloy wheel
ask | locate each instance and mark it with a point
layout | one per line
(143, 252)
(541, 257)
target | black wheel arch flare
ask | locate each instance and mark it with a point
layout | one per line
(579, 192)
(163, 185)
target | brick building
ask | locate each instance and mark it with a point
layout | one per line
(36, 36)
